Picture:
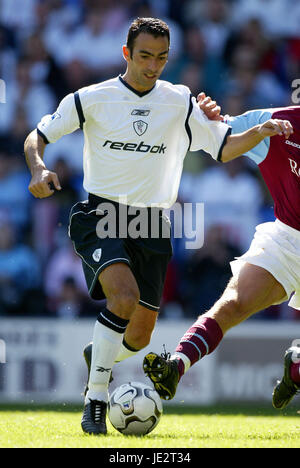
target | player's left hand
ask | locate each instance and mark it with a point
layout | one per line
(209, 107)
(274, 127)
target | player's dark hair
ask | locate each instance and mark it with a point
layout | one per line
(154, 26)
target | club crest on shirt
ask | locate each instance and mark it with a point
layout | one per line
(140, 127)
(97, 255)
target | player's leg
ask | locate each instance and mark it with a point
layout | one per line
(249, 291)
(122, 293)
(137, 336)
(149, 268)
(107, 268)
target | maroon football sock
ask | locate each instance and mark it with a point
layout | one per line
(201, 339)
(295, 372)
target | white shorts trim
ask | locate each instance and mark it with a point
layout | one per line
(276, 248)
(149, 306)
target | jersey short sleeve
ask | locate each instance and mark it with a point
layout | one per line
(244, 122)
(207, 135)
(65, 120)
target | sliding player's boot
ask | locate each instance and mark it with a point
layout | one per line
(163, 372)
(94, 417)
(87, 354)
(286, 389)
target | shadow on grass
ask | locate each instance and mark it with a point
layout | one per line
(251, 409)
(230, 409)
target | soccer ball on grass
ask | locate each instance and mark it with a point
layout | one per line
(134, 408)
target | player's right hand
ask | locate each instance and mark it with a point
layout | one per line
(43, 182)
(209, 107)
(274, 127)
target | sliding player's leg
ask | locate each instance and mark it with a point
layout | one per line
(251, 290)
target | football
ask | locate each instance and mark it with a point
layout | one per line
(134, 408)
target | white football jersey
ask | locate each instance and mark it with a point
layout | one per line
(135, 143)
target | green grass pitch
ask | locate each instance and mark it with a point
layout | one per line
(180, 427)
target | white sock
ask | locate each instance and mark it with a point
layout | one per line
(125, 352)
(106, 346)
(184, 358)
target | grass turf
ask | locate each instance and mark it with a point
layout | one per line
(180, 427)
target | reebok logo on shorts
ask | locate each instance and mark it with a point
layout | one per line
(97, 255)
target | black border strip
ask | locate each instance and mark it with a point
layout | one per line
(43, 136)
(149, 306)
(229, 131)
(110, 320)
(126, 345)
(138, 93)
(79, 109)
(187, 126)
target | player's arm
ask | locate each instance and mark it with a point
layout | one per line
(68, 117)
(237, 145)
(42, 178)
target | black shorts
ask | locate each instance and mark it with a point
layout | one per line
(147, 256)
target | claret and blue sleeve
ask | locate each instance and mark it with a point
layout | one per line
(244, 122)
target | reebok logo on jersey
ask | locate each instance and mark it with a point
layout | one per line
(141, 147)
(141, 112)
(291, 143)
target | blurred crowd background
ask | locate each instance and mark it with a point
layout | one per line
(243, 53)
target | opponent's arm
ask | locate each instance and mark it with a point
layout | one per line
(34, 148)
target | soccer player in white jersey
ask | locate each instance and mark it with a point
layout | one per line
(137, 131)
(268, 273)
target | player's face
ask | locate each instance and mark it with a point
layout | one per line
(148, 59)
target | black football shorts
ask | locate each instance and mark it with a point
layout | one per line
(147, 256)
